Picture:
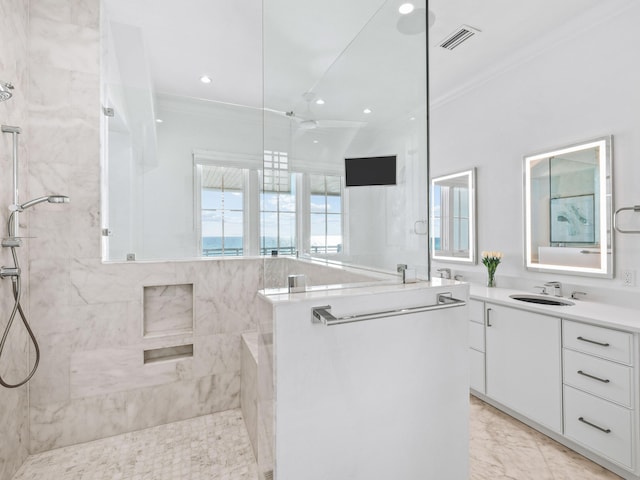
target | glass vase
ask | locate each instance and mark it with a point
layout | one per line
(491, 283)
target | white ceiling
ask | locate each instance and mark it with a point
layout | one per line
(306, 39)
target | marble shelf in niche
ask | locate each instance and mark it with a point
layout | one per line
(168, 354)
(167, 310)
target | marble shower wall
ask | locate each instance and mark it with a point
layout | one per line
(14, 418)
(93, 381)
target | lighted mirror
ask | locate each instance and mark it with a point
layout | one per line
(453, 222)
(568, 209)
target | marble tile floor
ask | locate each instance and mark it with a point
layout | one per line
(503, 448)
(211, 447)
(216, 447)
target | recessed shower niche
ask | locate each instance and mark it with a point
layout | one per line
(167, 309)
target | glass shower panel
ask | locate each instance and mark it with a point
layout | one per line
(350, 89)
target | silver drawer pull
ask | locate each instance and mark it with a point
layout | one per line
(605, 430)
(603, 380)
(593, 341)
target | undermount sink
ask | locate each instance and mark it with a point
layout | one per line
(542, 300)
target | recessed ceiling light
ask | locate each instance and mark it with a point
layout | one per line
(412, 118)
(205, 79)
(315, 141)
(159, 120)
(319, 101)
(366, 110)
(406, 8)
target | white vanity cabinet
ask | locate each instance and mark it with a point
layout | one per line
(599, 390)
(476, 346)
(576, 379)
(523, 363)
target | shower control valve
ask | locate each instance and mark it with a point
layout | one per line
(9, 272)
(11, 242)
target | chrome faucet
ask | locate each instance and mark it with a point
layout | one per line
(445, 273)
(557, 288)
(408, 274)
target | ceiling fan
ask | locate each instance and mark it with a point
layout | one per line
(307, 120)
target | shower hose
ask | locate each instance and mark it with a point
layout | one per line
(17, 309)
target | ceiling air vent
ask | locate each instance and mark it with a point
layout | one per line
(462, 34)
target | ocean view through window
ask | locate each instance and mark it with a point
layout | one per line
(325, 214)
(222, 205)
(292, 212)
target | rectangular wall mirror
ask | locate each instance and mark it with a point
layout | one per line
(453, 218)
(568, 209)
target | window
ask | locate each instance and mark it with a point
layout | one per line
(222, 207)
(276, 176)
(278, 206)
(325, 214)
(291, 212)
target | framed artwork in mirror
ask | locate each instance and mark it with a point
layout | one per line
(572, 219)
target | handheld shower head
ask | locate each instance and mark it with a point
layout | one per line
(5, 91)
(12, 224)
(58, 199)
(50, 199)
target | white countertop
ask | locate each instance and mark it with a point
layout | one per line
(277, 296)
(583, 310)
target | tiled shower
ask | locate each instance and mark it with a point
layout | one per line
(89, 317)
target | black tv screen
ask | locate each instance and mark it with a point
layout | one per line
(370, 171)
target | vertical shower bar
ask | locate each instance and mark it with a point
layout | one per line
(14, 131)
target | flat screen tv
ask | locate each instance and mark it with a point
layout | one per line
(360, 172)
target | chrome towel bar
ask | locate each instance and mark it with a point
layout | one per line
(635, 208)
(324, 316)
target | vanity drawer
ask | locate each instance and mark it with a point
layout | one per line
(476, 336)
(476, 311)
(603, 378)
(610, 431)
(603, 342)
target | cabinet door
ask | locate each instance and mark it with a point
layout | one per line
(476, 372)
(523, 361)
(476, 336)
(476, 311)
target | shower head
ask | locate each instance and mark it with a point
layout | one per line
(58, 199)
(5, 91)
(50, 199)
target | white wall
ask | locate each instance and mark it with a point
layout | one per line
(578, 88)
